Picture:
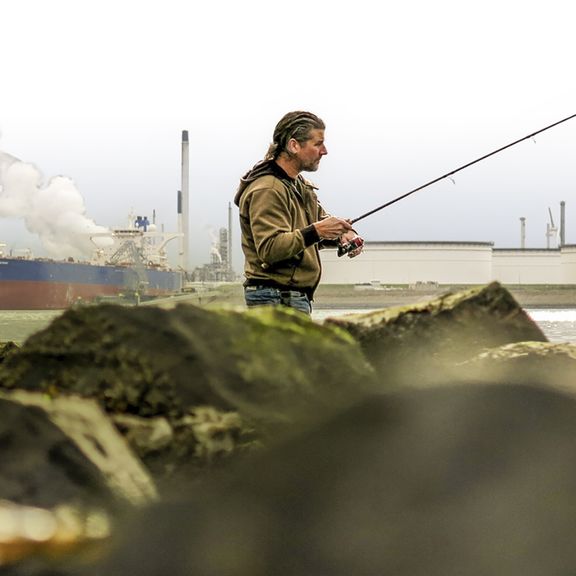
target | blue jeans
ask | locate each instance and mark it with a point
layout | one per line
(269, 296)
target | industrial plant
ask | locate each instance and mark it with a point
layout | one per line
(446, 263)
(219, 269)
(406, 263)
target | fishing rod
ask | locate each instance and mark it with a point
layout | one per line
(351, 246)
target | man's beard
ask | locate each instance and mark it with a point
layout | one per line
(311, 167)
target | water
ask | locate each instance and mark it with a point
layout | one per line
(17, 325)
(558, 324)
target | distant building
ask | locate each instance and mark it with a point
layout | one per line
(220, 267)
(450, 263)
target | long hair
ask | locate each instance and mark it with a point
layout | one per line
(295, 125)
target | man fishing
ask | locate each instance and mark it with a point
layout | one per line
(282, 223)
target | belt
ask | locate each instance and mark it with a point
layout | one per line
(282, 289)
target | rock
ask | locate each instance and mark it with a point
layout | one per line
(66, 451)
(195, 441)
(145, 435)
(48, 542)
(145, 361)
(214, 432)
(547, 363)
(443, 481)
(258, 370)
(418, 344)
(7, 348)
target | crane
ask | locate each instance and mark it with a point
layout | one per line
(551, 230)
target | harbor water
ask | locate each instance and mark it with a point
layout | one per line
(17, 325)
(559, 325)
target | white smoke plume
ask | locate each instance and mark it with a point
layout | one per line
(54, 210)
(215, 248)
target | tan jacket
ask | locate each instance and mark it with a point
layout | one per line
(280, 244)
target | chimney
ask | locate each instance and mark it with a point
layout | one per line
(183, 204)
(179, 224)
(562, 223)
(522, 233)
(230, 238)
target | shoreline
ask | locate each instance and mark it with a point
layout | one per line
(351, 296)
(348, 296)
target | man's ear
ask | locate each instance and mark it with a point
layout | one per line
(293, 146)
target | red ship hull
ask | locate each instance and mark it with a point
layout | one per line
(49, 285)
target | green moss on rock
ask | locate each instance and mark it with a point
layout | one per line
(266, 363)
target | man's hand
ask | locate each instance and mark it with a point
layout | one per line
(332, 228)
(356, 243)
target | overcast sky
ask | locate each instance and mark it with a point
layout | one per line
(100, 91)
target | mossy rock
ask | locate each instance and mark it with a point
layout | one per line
(7, 348)
(416, 344)
(267, 363)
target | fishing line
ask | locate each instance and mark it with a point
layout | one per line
(450, 174)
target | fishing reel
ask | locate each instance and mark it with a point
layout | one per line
(351, 247)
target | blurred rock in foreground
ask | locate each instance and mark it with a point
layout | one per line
(418, 344)
(66, 475)
(553, 364)
(430, 439)
(7, 348)
(206, 381)
(66, 451)
(442, 481)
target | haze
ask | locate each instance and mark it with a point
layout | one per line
(99, 92)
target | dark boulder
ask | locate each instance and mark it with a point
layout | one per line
(146, 361)
(475, 480)
(549, 363)
(418, 344)
(220, 379)
(7, 348)
(64, 452)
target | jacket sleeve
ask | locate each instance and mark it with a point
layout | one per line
(325, 243)
(272, 226)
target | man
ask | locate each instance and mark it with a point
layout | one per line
(282, 223)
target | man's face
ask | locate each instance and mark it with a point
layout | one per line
(310, 152)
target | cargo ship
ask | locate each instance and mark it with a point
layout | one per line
(128, 263)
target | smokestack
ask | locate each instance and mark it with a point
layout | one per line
(229, 236)
(179, 223)
(562, 223)
(522, 233)
(183, 204)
